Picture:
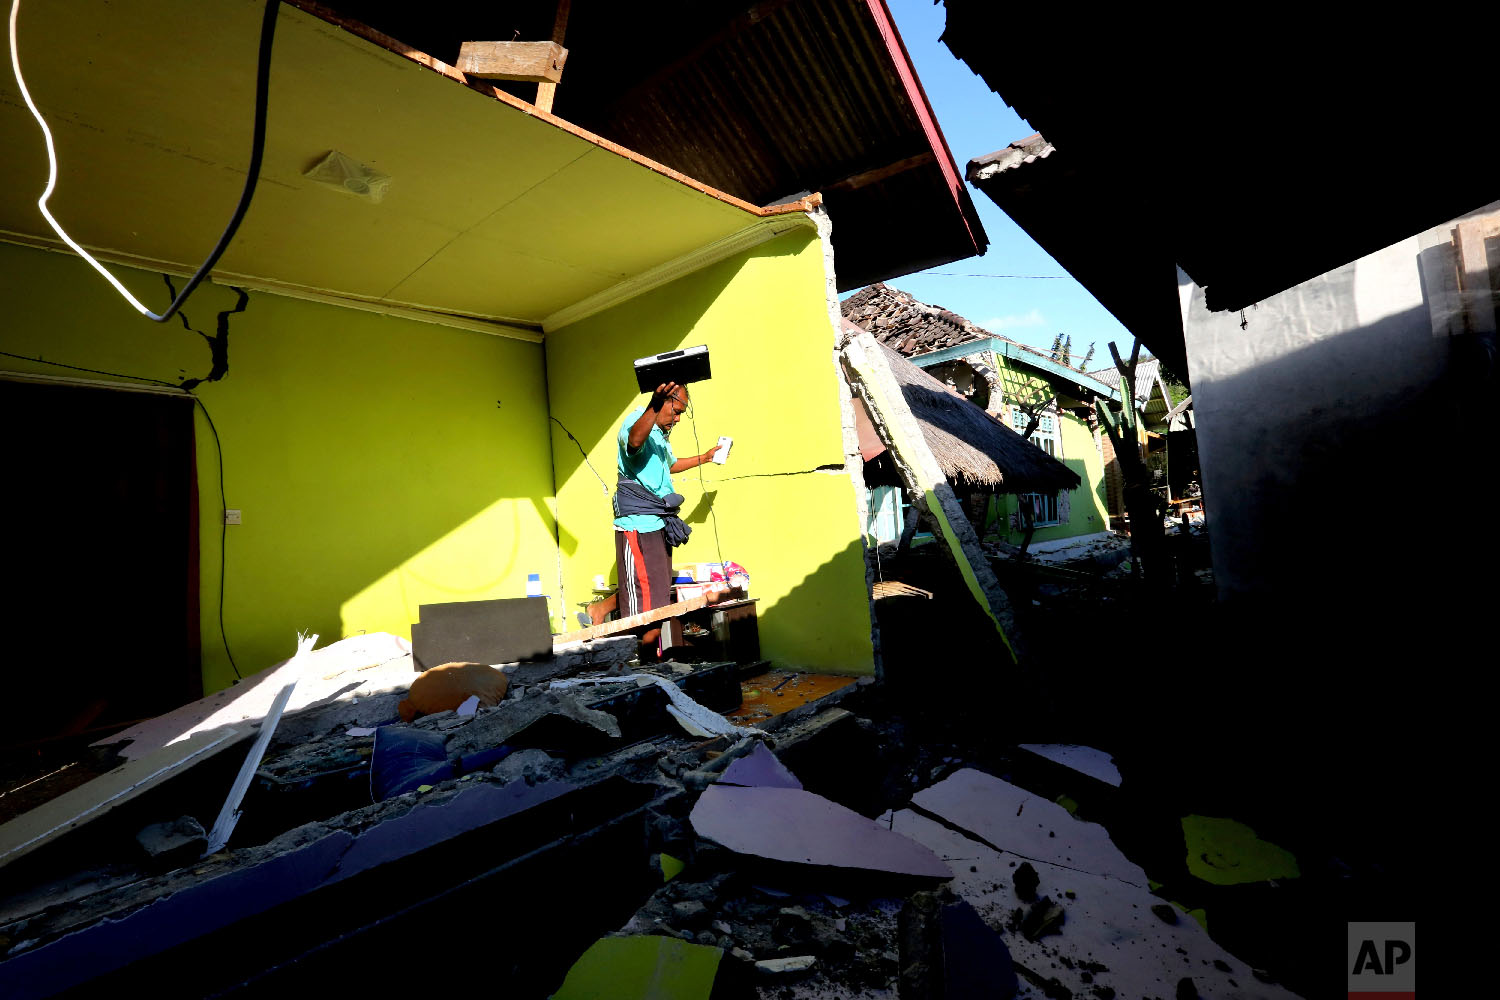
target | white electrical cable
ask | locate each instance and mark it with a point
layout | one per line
(41, 203)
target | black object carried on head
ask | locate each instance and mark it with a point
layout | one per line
(687, 365)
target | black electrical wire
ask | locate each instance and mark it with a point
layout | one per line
(703, 486)
(93, 371)
(257, 149)
(223, 532)
(584, 454)
(218, 449)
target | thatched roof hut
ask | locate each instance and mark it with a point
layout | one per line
(971, 446)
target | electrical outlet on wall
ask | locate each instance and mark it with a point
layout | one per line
(232, 515)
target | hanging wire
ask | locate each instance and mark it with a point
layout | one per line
(257, 148)
(602, 484)
(702, 485)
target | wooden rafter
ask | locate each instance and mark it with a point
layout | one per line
(546, 92)
(874, 176)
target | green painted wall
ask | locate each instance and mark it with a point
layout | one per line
(764, 316)
(380, 463)
(1078, 452)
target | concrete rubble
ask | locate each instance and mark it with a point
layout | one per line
(765, 882)
(799, 931)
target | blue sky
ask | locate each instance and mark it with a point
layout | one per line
(976, 121)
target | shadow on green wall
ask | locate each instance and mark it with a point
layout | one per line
(831, 603)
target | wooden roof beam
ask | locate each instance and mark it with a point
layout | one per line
(877, 174)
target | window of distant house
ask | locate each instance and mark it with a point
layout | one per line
(1043, 507)
(1045, 435)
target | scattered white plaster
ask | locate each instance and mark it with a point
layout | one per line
(1022, 822)
(1084, 760)
(1106, 920)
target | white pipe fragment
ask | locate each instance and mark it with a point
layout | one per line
(697, 719)
(230, 814)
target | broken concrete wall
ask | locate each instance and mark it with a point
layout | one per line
(869, 375)
(379, 463)
(784, 503)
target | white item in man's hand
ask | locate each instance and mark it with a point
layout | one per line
(721, 454)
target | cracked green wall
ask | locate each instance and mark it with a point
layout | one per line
(764, 316)
(380, 463)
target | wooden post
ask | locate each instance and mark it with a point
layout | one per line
(546, 92)
(538, 62)
(1474, 276)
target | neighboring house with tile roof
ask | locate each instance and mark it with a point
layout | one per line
(1010, 381)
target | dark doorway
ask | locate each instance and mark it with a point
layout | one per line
(98, 512)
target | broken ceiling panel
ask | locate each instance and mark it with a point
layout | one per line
(358, 666)
(1013, 819)
(798, 827)
(1085, 760)
(760, 769)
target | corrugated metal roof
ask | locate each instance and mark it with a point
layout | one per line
(1147, 373)
(1148, 379)
(763, 102)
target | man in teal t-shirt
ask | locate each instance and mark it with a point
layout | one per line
(642, 556)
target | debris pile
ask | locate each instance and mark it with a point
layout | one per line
(758, 884)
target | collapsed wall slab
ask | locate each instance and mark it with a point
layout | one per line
(869, 375)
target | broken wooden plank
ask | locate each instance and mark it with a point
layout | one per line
(637, 621)
(1474, 276)
(867, 177)
(529, 62)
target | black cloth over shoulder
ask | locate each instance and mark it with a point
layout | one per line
(633, 498)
